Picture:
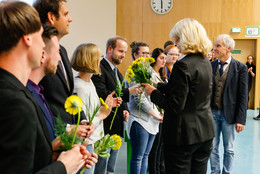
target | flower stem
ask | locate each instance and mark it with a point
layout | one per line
(113, 118)
(139, 104)
(82, 170)
(75, 132)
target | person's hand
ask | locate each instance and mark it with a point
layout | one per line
(117, 101)
(250, 69)
(81, 131)
(160, 118)
(111, 102)
(91, 160)
(136, 89)
(239, 127)
(73, 159)
(148, 88)
(90, 130)
(126, 115)
(56, 144)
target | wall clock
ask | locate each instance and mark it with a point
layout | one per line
(161, 6)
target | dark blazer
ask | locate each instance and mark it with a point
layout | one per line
(56, 90)
(49, 118)
(106, 84)
(186, 101)
(25, 146)
(235, 95)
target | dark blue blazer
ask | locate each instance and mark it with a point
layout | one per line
(235, 95)
(49, 121)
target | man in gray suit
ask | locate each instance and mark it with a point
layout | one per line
(228, 102)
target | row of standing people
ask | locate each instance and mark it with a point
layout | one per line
(25, 54)
(188, 128)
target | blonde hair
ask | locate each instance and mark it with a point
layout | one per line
(191, 37)
(86, 58)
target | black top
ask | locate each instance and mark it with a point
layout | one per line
(106, 84)
(250, 78)
(186, 101)
(25, 145)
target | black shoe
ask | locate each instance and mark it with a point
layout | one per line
(257, 118)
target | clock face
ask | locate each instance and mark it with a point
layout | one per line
(161, 6)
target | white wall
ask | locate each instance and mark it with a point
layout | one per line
(92, 21)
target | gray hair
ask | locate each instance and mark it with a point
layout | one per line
(227, 40)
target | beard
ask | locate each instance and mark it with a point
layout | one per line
(50, 68)
(115, 59)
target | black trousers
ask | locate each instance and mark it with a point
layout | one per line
(156, 157)
(187, 159)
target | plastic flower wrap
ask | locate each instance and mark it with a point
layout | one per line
(140, 72)
(101, 146)
(73, 106)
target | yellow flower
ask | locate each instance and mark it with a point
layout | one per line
(118, 141)
(128, 78)
(150, 59)
(103, 103)
(129, 74)
(73, 104)
(141, 59)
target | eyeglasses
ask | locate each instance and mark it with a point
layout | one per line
(145, 53)
(172, 54)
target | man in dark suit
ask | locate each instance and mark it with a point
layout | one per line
(228, 102)
(48, 66)
(59, 86)
(25, 146)
(105, 84)
(188, 127)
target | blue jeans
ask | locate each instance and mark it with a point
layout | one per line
(107, 165)
(91, 170)
(228, 134)
(141, 144)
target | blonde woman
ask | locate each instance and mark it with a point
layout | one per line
(86, 60)
(188, 127)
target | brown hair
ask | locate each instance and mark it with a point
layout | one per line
(45, 6)
(48, 33)
(155, 54)
(112, 42)
(86, 58)
(135, 46)
(17, 19)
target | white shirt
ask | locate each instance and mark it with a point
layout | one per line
(87, 92)
(225, 65)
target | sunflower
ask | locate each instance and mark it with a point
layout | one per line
(118, 141)
(150, 60)
(73, 104)
(129, 75)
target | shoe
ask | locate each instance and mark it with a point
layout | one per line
(257, 118)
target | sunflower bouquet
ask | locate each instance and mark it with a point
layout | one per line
(140, 72)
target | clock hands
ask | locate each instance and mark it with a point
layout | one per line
(161, 4)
